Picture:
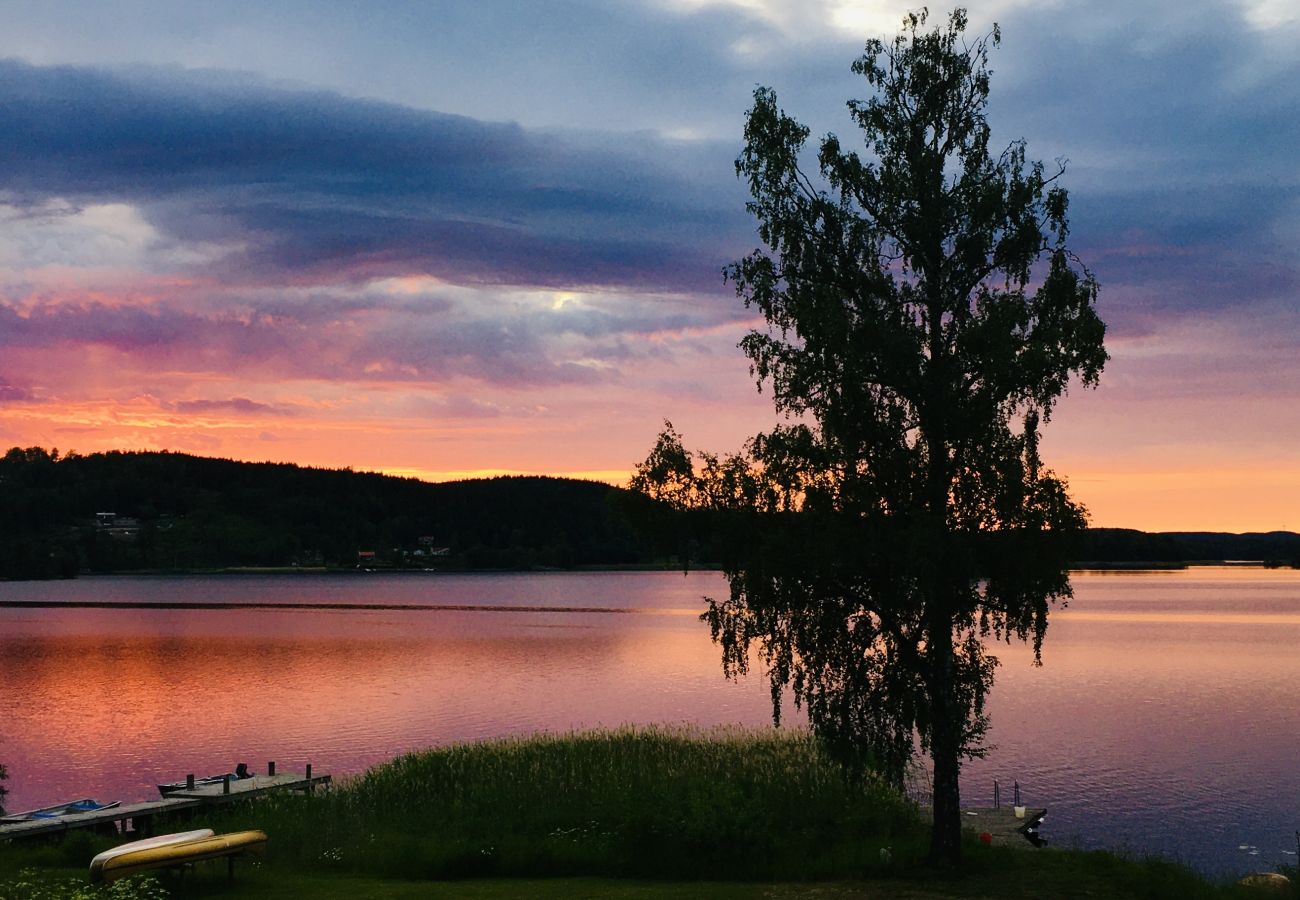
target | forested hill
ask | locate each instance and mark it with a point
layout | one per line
(119, 511)
(1124, 545)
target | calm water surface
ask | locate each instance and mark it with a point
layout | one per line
(1165, 717)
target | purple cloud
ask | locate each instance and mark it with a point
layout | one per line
(12, 393)
(320, 188)
(232, 404)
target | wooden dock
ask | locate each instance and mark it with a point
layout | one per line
(244, 788)
(140, 816)
(1002, 825)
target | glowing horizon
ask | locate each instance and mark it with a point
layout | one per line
(370, 244)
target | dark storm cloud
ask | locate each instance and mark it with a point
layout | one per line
(573, 63)
(1180, 121)
(318, 187)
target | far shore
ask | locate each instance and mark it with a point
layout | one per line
(357, 571)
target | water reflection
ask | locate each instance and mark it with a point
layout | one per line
(111, 701)
(1163, 718)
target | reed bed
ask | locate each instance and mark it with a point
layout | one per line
(646, 802)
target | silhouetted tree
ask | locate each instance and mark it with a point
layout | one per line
(900, 516)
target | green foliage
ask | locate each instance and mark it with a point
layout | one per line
(31, 884)
(634, 802)
(1292, 873)
(924, 313)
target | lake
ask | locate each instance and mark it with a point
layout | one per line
(1165, 717)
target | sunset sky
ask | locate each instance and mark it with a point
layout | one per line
(447, 239)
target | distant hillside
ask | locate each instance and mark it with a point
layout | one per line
(112, 512)
(1127, 545)
(175, 511)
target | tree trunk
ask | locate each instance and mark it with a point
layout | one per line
(947, 715)
(945, 833)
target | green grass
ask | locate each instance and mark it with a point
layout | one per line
(634, 813)
(1067, 876)
(642, 802)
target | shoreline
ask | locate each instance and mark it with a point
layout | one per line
(1086, 566)
(642, 805)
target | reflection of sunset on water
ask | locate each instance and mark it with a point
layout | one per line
(1176, 618)
(1170, 695)
(1170, 692)
(98, 703)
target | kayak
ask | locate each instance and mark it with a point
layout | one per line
(60, 809)
(163, 840)
(180, 853)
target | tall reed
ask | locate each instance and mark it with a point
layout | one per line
(679, 802)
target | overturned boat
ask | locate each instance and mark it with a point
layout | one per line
(171, 851)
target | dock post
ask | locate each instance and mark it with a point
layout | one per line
(270, 768)
(1017, 803)
(225, 784)
(189, 782)
(997, 795)
(311, 788)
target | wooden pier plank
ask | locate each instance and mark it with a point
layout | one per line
(256, 785)
(97, 817)
(209, 795)
(1001, 823)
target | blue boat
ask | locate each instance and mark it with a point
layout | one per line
(58, 810)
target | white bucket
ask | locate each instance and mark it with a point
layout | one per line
(1020, 812)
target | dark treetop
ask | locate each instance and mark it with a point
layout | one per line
(924, 314)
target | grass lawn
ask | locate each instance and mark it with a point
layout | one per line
(1071, 878)
(1045, 875)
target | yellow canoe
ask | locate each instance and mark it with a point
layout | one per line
(112, 865)
(160, 840)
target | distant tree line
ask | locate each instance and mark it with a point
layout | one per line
(191, 512)
(176, 511)
(1124, 545)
